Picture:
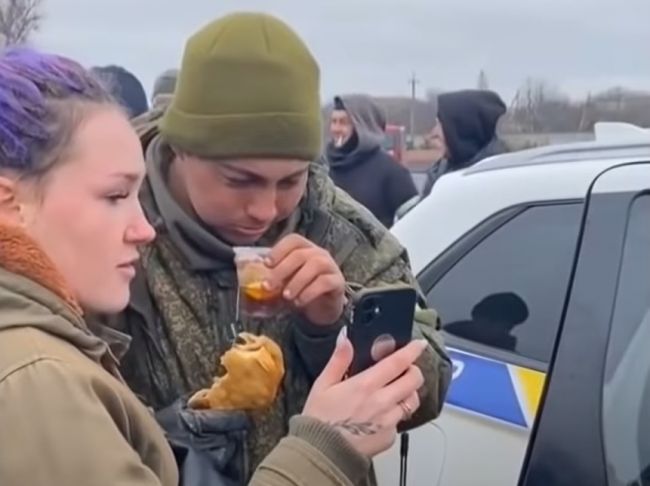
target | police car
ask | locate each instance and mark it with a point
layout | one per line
(539, 265)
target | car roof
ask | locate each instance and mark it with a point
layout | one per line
(565, 153)
(461, 200)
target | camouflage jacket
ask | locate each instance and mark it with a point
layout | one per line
(180, 312)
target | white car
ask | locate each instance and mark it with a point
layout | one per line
(496, 249)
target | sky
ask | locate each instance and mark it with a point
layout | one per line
(374, 46)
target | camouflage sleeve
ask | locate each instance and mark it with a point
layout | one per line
(434, 362)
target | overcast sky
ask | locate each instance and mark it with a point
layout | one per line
(373, 45)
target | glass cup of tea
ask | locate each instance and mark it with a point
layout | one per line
(255, 298)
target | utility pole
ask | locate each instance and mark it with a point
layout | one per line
(413, 81)
(483, 83)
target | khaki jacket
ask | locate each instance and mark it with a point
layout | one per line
(71, 418)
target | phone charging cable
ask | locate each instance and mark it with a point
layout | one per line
(403, 458)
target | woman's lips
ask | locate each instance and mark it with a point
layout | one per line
(128, 269)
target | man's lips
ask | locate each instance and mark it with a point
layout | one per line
(251, 231)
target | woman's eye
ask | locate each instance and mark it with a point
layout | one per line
(114, 198)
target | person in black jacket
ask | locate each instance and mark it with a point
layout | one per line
(125, 87)
(358, 163)
(466, 131)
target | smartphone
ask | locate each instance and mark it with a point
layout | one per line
(382, 322)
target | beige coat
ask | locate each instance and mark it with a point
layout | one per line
(66, 417)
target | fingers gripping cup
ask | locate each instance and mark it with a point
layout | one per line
(255, 298)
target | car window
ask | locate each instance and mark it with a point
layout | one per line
(508, 292)
(626, 391)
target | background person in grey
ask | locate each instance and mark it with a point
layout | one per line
(163, 88)
(357, 161)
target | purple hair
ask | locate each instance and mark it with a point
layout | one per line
(38, 96)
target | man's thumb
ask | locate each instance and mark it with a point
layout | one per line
(339, 363)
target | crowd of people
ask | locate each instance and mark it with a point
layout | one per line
(117, 280)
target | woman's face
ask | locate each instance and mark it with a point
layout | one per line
(437, 142)
(87, 217)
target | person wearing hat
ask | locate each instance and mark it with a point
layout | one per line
(465, 132)
(125, 87)
(357, 161)
(230, 163)
(163, 88)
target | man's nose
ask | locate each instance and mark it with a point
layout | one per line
(263, 208)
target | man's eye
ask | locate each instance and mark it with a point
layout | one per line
(289, 183)
(238, 183)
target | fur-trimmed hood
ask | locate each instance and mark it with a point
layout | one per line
(33, 294)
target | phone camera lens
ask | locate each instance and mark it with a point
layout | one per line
(369, 305)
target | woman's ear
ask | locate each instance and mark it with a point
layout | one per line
(10, 210)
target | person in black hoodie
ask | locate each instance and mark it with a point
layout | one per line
(466, 131)
(359, 165)
(125, 87)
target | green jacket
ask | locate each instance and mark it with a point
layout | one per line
(184, 300)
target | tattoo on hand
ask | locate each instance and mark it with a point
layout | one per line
(357, 428)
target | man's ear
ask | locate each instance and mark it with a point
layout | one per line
(178, 153)
(9, 204)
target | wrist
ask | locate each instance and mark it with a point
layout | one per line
(334, 321)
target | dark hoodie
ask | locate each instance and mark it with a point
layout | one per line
(469, 121)
(363, 169)
(125, 88)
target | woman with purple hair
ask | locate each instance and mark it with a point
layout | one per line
(70, 229)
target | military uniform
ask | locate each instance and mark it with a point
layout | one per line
(184, 297)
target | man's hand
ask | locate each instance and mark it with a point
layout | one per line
(310, 279)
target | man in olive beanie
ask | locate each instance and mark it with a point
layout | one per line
(230, 164)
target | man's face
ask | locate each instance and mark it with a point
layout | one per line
(239, 200)
(341, 128)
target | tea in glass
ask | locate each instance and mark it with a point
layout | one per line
(255, 299)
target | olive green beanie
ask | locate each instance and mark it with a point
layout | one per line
(248, 87)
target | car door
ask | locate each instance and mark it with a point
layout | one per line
(594, 424)
(500, 292)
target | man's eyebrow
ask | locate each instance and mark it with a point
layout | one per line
(297, 173)
(256, 176)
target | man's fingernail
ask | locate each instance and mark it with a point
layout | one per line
(343, 335)
(287, 294)
(423, 343)
(268, 262)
